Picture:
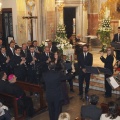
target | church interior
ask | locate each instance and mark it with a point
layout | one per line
(69, 25)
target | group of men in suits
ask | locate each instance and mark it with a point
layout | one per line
(26, 61)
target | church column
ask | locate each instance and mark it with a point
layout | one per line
(51, 19)
(85, 19)
(93, 17)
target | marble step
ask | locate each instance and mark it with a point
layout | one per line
(97, 83)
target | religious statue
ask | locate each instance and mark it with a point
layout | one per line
(30, 4)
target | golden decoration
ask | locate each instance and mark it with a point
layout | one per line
(60, 7)
(85, 6)
(113, 6)
(30, 4)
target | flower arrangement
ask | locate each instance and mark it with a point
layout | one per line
(61, 38)
(61, 33)
(104, 31)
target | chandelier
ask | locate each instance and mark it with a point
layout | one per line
(0, 6)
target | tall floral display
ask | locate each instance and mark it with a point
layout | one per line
(61, 38)
(104, 31)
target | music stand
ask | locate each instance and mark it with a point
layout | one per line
(92, 70)
(115, 45)
(104, 71)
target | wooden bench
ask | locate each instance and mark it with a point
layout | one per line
(10, 100)
(34, 88)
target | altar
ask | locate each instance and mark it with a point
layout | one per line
(69, 53)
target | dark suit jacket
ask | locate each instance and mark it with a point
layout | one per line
(116, 38)
(44, 58)
(85, 62)
(30, 59)
(9, 53)
(91, 111)
(54, 49)
(3, 86)
(108, 62)
(53, 81)
(3, 64)
(15, 90)
(24, 54)
(77, 40)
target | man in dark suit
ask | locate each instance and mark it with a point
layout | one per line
(33, 59)
(10, 50)
(54, 95)
(117, 39)
(37, 48)
(29, 43)
(4, 61)
(24, 50)
(91, 111)
(53, 49)
(77, 39)
(18, 63)
(3, 82)
(84, 59)
(46, 57)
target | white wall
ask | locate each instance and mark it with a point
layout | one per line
(11, 4)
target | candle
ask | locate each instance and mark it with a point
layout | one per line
(74, 21)
(119, 23)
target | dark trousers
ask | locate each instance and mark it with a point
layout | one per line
(6, 116)
(25, 103)
(82, 77)
(71, 83)
(117, 54)
(20, 74)
(108, 88)
(31, 78)
(55, 108)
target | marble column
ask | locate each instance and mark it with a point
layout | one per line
(21, 23)
(93, 17)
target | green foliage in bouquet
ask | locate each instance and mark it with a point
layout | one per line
(104, 31)
(60, 34)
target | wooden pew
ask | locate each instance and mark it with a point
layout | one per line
(34, 88)
(10, 100)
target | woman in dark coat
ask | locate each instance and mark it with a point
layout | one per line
(60, 67)
(108, 63)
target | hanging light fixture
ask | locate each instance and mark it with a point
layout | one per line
(0, 6)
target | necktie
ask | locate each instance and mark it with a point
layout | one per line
(13, 51)
(32, 54)
(5, 55)
(119, 38)
(85, 54)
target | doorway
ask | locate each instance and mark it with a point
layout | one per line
(6, 27)
(69, 14)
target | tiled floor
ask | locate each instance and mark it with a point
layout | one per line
(75, 104)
